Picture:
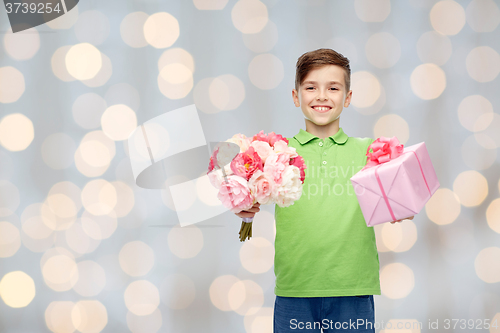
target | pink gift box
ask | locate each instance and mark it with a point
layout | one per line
(396, 189)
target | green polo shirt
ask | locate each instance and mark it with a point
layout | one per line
(323, 247)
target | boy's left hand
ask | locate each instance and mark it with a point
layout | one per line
(408, 218)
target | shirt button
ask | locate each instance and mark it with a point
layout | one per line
(324, 162)
(321, 143)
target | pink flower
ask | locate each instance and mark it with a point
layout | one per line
(213, 161)
(290, 189)
(299, 163)
(273, 138)
(262, 186)
(263, 149)
(216, 177)
(246, 163)
(260, 137)
(235, 194)
(384, 149)
(275, 165)
(282, 147)
(241, 140)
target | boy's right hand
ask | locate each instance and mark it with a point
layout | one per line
(249, 213)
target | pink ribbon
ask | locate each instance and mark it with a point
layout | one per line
(384, 150)
(382, 188)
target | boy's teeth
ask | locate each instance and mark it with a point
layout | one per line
(321, 108)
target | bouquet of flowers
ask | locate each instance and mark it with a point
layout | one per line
(265, 170)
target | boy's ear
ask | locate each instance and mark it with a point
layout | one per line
(295, 97)
(348, 99)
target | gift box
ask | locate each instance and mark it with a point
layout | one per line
(398, 188)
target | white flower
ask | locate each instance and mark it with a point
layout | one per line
(216, 176)
(290, 188)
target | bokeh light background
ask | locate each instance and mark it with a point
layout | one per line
(85, 249)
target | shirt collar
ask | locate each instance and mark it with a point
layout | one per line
(304, 137)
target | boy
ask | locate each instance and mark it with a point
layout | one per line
(326, 260)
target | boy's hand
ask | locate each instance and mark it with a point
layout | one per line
(249, 213)
(408, 218)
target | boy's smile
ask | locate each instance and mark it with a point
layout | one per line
(322, 97)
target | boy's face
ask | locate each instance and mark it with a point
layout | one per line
(317, 90)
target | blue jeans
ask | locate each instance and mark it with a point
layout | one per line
(324, 314)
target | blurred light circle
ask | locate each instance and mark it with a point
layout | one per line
(99, 197)
(249, 16)
(399, 237)
(476, 156)
(118, 122)
(58, 64)
(79, 241)
(487, 264)
(12, 84)
(123, 93)
(125, 199)
(131, 29)
(471, 187)
(144, 324)
(65, 21)
(99, 227)
(16, 131)
(226, 92)
(493, 215)
(176, 55)
(10, 239)
(174, 90)
(245, 297)
(62, 205)
(219, 290)
(392, 125)
(32, 222)
(383, 50)
(489, 136)
(136, 258)
(92, 279)
(483, 15)
(83, 61)
(443, 207)
(161, 30)
(88, 109)
(17, 289)
(447, 17)
(266, 70)
(433, 47)
(58, 150)
(257, 256)
(87, 159)
(367, 88)
(260, 321)
(264, 40)
(396, 280)
(470, 112)
(92, 27)
(201, 96)
(206, 192)
(60, 272)
(142, 297)
(54, 221)
(22, 45)
(89, 316)
(103, 75)
(58, 317)
(372, 10)
(428, 81)
(177, 291)
(176, 73)
(10, 199)
(210, 5)
(70, 190)
(185, 242)
(483, 64)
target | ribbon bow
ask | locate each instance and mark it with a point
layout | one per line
(384, 149)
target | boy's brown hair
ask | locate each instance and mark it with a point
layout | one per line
(319, 58)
